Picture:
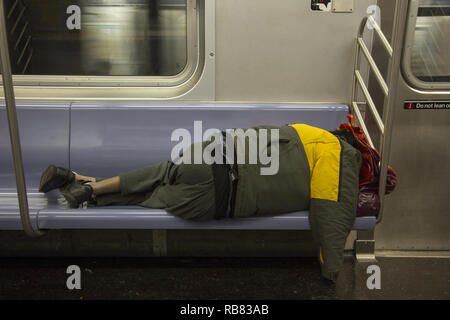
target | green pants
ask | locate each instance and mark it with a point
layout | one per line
(185, 190)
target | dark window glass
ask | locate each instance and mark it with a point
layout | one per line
(430, 59)
(114, 38)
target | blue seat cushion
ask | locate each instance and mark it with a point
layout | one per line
(104, 139)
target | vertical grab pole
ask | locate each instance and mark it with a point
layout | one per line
(14, 128)
(401, 17)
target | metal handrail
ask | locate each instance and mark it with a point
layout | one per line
(370, 102)
(8, 88)
(381, 35)
(385, 86)
(374, 67)
(362, 124)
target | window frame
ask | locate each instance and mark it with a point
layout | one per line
(193, 57)
(407, 52)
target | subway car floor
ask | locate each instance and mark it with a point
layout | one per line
(220, 278)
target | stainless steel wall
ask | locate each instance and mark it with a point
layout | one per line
(417, 213)
(283, 51)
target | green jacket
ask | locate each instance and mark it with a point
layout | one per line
(298, 187)
(287, 191)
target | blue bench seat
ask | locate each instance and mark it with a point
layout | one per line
(51, 212)
(104, 139)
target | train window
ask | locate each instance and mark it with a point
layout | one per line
(428, 48)
(104, 38)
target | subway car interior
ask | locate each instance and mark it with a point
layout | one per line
(101, 86)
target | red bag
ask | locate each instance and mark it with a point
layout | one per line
(369, 175)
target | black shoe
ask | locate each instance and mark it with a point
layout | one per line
(55, 177)
(76, 193)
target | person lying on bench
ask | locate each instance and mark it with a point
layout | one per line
(317, 171)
